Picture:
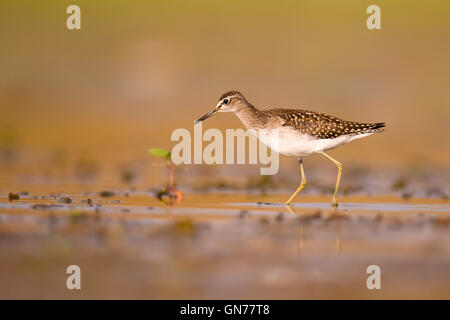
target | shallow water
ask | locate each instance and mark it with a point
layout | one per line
(384, 207)
(224, 246)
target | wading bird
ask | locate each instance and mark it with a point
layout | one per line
(294, 132)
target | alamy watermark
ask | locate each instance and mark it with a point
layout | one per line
(73, 21)
(231, 150)
(374, 280)
(374, 20)
(74, 280)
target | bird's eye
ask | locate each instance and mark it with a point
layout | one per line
(226, 101)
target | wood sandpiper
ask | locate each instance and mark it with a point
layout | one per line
(300, 133)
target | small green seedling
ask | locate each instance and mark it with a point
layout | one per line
(169, 195)
(163, 153)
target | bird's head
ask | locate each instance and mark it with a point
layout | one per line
(231, 101)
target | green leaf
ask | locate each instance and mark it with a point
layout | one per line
(157, 152)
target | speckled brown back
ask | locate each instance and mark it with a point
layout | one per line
(320, 125)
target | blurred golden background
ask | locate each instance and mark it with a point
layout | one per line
(77, 104)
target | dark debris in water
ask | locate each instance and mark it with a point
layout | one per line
(407, 195)
(259, 203)
(41, 206)
(88, 201)
(65, 200)
(106, 194)
(13, 196)
(45, 206)
(169, 195)
(400, 183)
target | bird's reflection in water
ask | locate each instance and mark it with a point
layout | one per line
(301, 238)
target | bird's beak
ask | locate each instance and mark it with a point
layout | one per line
(206, 116)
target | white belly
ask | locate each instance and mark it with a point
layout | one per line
(290, 142)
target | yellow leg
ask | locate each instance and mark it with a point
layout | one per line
(302, 185)
(339, 165)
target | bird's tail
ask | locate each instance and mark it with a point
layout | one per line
(375, 127)
(361, 128)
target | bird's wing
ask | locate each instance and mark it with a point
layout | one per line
(323, 126)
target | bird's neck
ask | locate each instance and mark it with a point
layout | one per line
(248, 115)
